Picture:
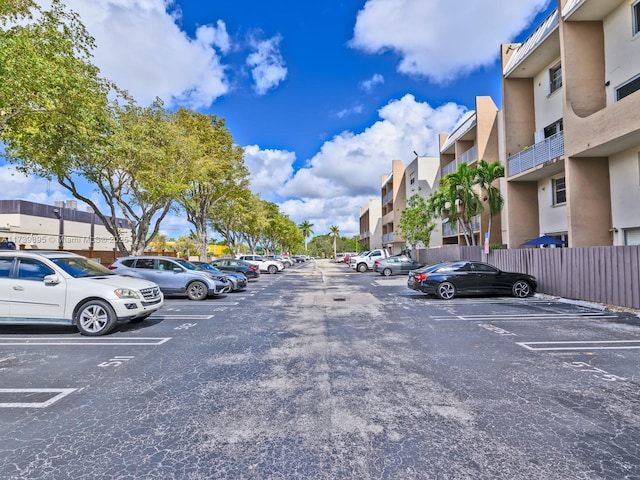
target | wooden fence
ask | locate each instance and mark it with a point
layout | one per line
(607, 275)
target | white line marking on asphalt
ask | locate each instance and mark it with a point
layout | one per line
(61, 392)
(519, 317)
(182, 317)
(582, 345)
(81, 341)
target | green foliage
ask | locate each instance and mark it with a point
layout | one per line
(416, 222)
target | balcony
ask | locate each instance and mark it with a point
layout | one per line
(387, 238)
(469, 156)
(549, 149)
(387, 198)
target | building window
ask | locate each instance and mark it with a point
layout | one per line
(635, 13)
(552, 129)
(555, 78)
(628, 88)
(412, 179)
(559, 191)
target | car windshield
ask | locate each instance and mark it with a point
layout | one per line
(187, 265)
(81, 267)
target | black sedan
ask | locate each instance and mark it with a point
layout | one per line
(396, 265)
(240, 266)
(448, 279)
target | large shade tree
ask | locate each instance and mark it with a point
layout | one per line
(416, 222)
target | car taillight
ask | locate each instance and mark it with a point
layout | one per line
(111, 267)
(420, 277)
(377, 262)
(253, 267)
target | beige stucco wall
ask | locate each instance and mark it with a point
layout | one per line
(548, 107)
(622, 50)
(625, 191)
(553, 218)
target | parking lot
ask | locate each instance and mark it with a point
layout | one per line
(322, 372)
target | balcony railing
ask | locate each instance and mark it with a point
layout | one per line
(387, 237)
(449, 229)
(387, 198)
(449, 168)
(542, 152)
(469, 156)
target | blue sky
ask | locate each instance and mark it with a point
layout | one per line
(323, 95)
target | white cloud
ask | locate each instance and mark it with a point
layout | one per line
(368, 85)
(269, 170)
(267, 65)
(350, 111)
(338, 180)
(433, 37)
(142, 49)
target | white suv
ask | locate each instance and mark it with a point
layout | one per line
(41, 287)
(265, 265)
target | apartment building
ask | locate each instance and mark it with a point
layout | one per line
(422, 177)
(475, 138)
(393, 200)
(51, 227)
(570, 126)
(371, 224)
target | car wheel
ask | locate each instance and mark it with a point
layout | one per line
(446, 290)
(95, 317)
(521, 289)
(387, 272)
(197, 291)
(272, 269)
(362, 267)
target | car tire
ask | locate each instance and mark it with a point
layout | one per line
(197, 291)
(362, 267)
(521, 289)
(387, 272)
(272, 269)
(95, 317)
(446, 290)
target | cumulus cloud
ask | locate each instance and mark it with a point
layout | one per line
(369, 84)
(267, 65)
(432, 38)
(268, 170)
(142, 49)
(346, 172)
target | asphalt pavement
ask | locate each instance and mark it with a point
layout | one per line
(320, 372)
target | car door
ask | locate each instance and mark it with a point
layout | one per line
(31, 296)
(6, 295)
(170, 277)
(488, 278)
(405, 265)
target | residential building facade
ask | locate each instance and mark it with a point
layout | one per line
(371, 225)
(393, 200)
(422, 177)
(475, 138)
(571, 131)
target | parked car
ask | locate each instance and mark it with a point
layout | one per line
(249, 270)
(365, 260)
(448, 279)
(42, 287)
(269, 266)
(174, 276)
(238, 280)
(396, 265)
(286, 261)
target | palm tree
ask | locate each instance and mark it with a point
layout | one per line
(305, 228)
(335, 231)
(486, 175)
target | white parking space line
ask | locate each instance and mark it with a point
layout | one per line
(172, 304)
(81, 341)
(25, 393)
(519, 317)
(181, 317)
(581, 345)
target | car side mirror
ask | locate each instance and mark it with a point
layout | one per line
(177, 270)
(52, 279)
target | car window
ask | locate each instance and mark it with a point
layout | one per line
(128, 262)
(5, 266)
(483, 267)
(30, 269)
(147, 263)
(165, 265)
(81, 267)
